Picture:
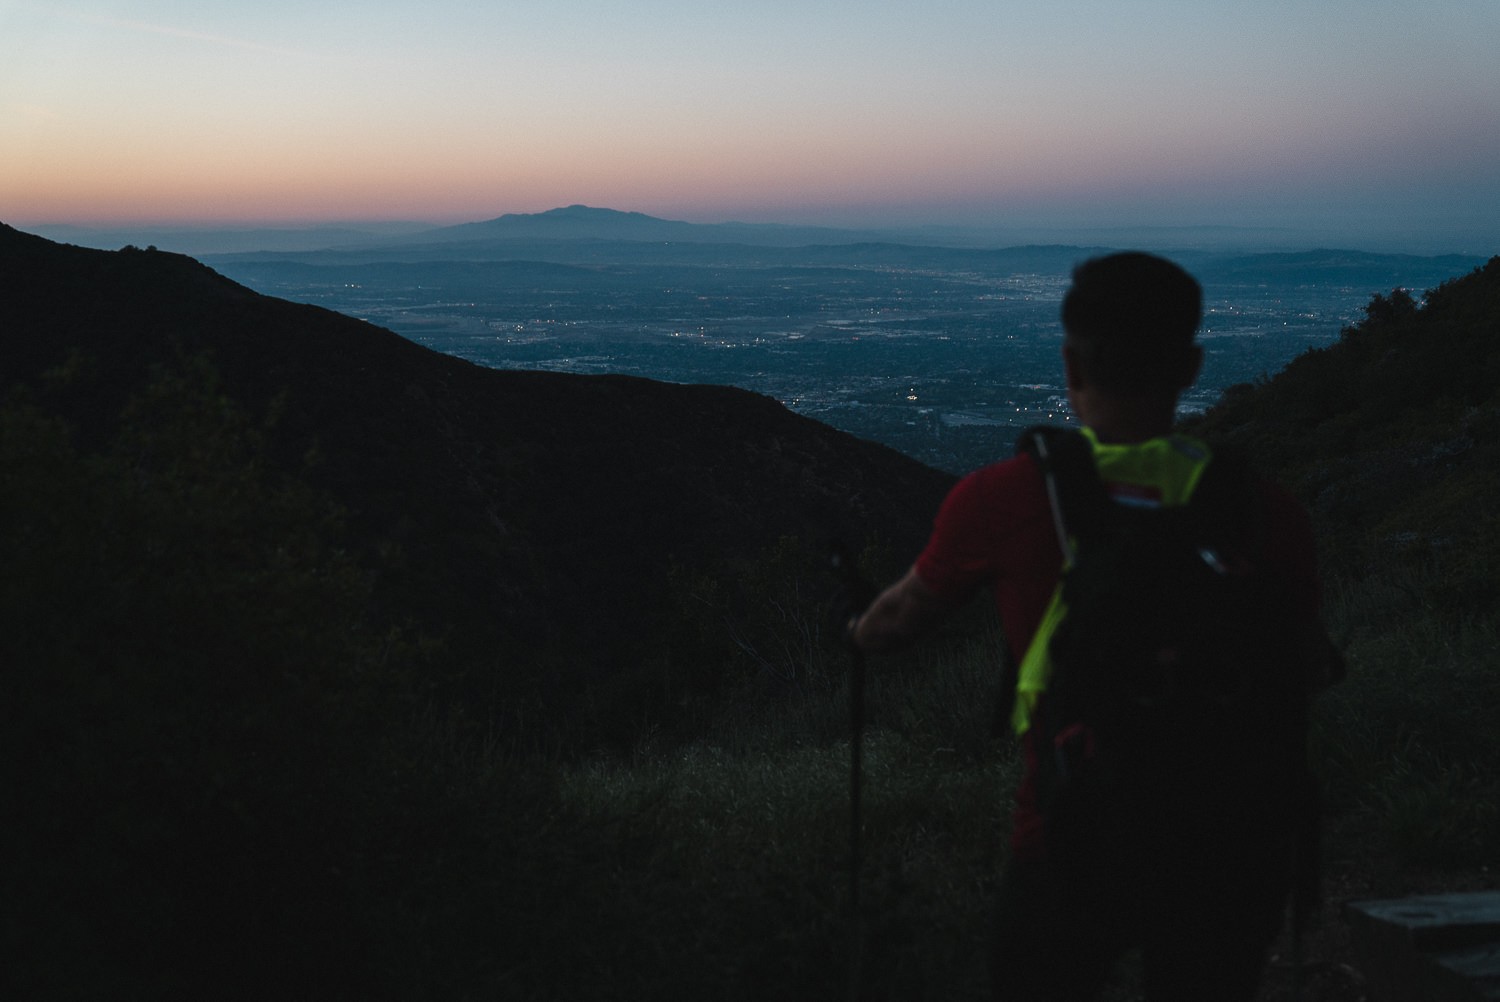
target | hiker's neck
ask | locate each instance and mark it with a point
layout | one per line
(1122, 419)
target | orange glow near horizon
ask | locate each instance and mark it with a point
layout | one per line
(1150, 113)
(224, 178)
(322, 182)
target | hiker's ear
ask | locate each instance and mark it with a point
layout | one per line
(1192, 366)
(1072, 369)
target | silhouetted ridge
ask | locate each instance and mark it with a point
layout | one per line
(530, 509)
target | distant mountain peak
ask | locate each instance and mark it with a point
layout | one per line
(572, 222)
(579, 211)
(576, 214)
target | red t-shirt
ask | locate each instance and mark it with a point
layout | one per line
(995, 530)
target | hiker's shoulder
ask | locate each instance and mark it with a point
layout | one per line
(1013, 477)
(1239, 485)
(1234, 465)
(1286, 515)
(989, 499)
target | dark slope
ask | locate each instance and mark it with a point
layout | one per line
(533, 510)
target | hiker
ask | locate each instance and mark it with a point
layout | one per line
(1202, 904)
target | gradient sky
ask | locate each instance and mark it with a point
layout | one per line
(1344, 116)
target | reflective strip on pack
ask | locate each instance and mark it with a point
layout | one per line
(1036, 666)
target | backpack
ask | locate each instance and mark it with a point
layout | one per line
(1171, 738)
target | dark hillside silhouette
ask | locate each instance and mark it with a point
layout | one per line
(1392, 434)
(291, 607)
(529, 510)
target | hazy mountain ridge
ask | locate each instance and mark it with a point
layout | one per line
(1359, 268)
(582, 222)
(599, 237)
(587, 235)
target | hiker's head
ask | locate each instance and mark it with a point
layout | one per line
(1129, 321)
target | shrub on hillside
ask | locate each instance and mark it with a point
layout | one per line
(189, 701)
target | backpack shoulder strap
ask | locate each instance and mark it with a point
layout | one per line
(1080, 503)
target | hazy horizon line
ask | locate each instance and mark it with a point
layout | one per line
(1221, 235)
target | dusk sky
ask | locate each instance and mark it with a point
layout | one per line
(1333, 117)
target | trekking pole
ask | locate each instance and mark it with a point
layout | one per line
(1296, 954)
(858, 593)
(856, 746)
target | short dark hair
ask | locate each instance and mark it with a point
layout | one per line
(1131, 318)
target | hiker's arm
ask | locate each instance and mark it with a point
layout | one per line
(899, 615)
(1294, 553)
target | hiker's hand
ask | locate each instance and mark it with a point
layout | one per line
(899, 615)
(848, 605)
(852, 596)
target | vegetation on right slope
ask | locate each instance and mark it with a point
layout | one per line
(1391, 436)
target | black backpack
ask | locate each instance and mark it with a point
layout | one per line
(1171, 738)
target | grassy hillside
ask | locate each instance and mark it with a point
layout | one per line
(1392, 437)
